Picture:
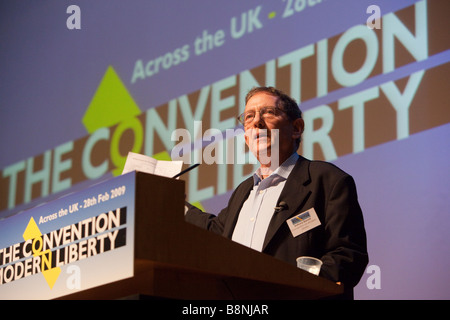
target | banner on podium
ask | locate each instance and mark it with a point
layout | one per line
(80, 241)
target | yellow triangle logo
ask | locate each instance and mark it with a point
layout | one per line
(111, 104)
(32, 232)
(51, 275)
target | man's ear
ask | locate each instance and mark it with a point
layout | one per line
(299, 126)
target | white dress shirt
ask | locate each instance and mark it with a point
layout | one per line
(259, 207)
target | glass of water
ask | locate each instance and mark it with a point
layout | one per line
(309, 264)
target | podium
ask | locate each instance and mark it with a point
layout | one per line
(169, 258)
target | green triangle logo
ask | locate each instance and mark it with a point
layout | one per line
(111, 103)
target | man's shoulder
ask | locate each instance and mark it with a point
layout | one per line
(319, 167)
(326, 174)
(247, 183)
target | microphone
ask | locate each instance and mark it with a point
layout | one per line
(184, 171)
(281, 206)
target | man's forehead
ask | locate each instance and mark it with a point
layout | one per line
(261, 100)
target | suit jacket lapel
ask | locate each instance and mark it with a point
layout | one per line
(294, 194)
(235, 206)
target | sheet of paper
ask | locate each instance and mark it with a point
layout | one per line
(139, 162)
(168, 168)
(143, 163)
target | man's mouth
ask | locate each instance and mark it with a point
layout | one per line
(258, 134)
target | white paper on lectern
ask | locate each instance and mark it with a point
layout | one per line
(143, 163)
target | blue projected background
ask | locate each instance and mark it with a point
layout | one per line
(84, 82)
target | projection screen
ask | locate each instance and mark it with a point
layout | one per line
(84, 82)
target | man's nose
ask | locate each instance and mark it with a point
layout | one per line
(258, 121)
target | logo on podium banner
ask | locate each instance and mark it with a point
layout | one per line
(92, 229)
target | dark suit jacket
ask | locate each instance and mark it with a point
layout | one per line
(340, 240)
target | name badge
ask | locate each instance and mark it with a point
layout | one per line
(303, 222)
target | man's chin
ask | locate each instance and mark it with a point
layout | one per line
(263, 155)
(261, 150)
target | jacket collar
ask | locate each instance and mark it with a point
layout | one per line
(234, 207)
(294, 194)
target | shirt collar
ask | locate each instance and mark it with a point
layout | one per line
(282, 171)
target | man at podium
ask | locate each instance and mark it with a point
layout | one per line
(291, 206)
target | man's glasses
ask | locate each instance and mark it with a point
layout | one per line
(266, 113)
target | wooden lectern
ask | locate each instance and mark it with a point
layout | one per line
(177, 260)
